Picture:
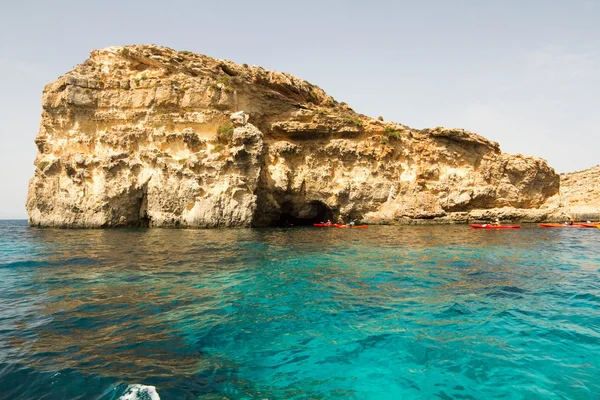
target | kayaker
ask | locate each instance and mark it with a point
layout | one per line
(497, 222)
(328, 222)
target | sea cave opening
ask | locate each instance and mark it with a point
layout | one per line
(143, 217)
(304, 214)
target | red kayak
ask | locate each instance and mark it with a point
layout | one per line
(354, 226)
(489, 226)
(323, 225)
(566, 226)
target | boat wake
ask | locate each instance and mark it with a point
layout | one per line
(140, 392)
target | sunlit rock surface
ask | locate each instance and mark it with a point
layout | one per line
(580, 193)
(148, 136)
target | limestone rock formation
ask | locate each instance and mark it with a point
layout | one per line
(145, 135)
(580, 194)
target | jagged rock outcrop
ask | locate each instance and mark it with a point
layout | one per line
(145, 135)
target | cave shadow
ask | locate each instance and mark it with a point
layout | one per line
(303, 214)
(144, 220)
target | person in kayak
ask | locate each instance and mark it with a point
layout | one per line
(497, 222)
(328, 222)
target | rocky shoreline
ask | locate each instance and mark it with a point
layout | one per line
(148, 136)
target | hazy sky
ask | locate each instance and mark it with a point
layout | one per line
(524, 73)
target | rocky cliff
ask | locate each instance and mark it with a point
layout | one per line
(145, 135)
(580, 194)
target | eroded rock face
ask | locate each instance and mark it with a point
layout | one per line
(145, 135)
(580, 194)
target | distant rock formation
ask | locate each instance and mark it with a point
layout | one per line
(148, 136)
(580, 194)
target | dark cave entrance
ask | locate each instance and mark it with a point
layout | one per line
(304, 214)
(144, 221)
(144, 218)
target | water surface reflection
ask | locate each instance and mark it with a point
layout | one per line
(417, 311)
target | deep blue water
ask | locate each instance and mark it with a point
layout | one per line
(383, 313)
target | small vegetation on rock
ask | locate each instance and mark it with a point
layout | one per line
(392, 132)
(354, 120)
(125, 51)
(385, 140)
(224, 79)
(43, 164)
(312, 97)
(222, 83)
(217, 149)
(225, 133)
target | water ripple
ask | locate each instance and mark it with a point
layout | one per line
(391, 312)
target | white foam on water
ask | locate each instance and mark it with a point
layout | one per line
(140, 392)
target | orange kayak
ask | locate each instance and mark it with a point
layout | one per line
(591, 225)
(564, 226)
(324, 225)
(488, 226)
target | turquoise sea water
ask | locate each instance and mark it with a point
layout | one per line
(383, 313)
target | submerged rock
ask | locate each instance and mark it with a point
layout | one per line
(148, 136)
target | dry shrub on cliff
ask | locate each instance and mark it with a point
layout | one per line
(312, 97)
(225, 132)
(392, 132)
(222, 83)
(224, 80)
(353, 120)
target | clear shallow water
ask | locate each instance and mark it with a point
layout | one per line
(388, 312)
